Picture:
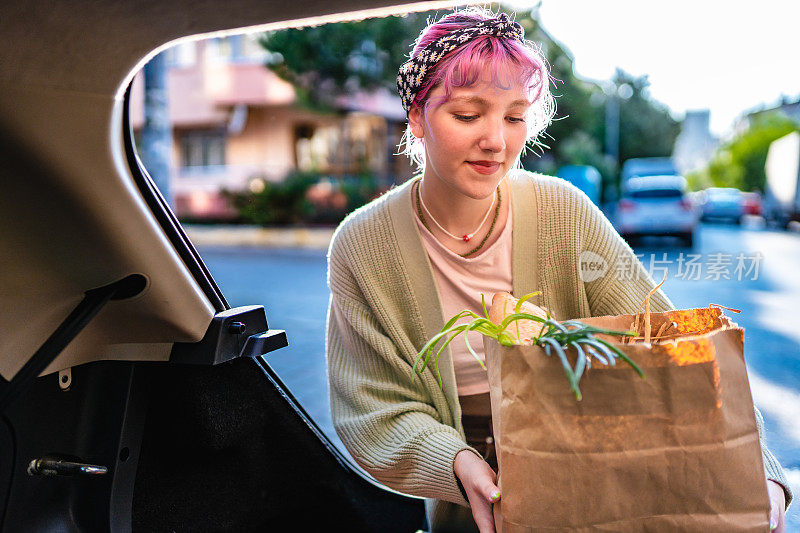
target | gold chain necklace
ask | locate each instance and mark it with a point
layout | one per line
(491, 228)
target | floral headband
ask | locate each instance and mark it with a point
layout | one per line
(412, 72)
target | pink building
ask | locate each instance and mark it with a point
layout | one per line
(236, 124)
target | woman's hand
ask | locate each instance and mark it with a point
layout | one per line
(478, 480)
(777, 503)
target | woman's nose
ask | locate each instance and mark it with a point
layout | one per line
(492, 138)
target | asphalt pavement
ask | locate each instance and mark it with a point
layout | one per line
(749, 268)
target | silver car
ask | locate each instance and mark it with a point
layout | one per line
(656, 205)
(722, 203)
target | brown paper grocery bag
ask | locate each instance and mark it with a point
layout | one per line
(676, 451)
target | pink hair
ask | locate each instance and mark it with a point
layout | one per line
(509, 61)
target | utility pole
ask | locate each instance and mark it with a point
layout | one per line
(156, 143)
(612, 122)
(611, 192)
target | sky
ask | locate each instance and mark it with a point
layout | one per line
(728, 57)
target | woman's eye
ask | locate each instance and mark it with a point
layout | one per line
(516, 119)
(465, 118)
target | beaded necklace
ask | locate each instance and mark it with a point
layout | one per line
(486, 238)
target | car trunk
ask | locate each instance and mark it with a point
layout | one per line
(132, 396)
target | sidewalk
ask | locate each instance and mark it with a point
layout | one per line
(290, 237)
(258, 237)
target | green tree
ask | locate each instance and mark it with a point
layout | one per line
(576, 135)
(740, 162)
(646, 128)
(323, 61)
(582, 149)
(579, 112)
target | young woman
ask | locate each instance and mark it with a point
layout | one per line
(475, 92)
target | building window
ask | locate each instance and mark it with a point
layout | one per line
(182, 55)
(219, 50)
(236, 49)
(315, 147)
(203, 148)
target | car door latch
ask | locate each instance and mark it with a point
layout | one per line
(237, 332)
(53, 465)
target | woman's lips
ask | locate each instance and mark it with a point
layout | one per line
(484, 167)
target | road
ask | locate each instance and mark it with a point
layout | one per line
(748, 268)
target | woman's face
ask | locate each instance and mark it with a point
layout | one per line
(473, 139)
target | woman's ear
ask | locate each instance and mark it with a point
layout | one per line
(415, 122)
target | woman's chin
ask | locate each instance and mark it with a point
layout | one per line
(470, 184)
(482, 191)
(483, 185)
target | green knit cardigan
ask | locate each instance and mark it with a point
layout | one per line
(385, 306)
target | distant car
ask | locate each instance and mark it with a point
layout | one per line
(585, 177)
(753, 204)
(722, 203)
(656, 205)
(646, 166)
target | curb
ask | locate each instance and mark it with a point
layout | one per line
(257, 237)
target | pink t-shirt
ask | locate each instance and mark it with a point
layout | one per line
(461, 281)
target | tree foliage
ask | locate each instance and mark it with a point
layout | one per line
(740, 162)
(329, 59)
(575, 135)
(646, 127)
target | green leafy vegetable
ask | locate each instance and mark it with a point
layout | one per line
(556, 337)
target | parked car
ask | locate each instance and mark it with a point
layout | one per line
(646, 166)
(656, 205)
(585, 177)
(782, 193)
(132, 396)
(753, 203)
(721, 203)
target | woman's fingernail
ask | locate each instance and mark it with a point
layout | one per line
(772, 524)
(495, 495)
